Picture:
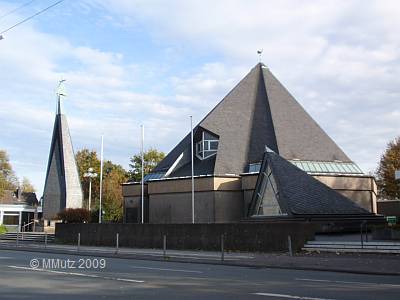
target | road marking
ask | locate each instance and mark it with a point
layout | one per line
(78, 274)
(348, 282)
(289, 296)
(5, 257)
(164, 269)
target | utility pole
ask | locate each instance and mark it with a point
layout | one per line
(142, 152)
(101, 179)
(192, 159)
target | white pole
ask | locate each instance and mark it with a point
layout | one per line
(142, 174)
(191, 142)
(90, 192)
(101, 178)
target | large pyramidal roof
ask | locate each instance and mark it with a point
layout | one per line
(258, 113)
(62, 186)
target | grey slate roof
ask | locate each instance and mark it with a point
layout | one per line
(300, 194)
(258, 112)
(11, 197)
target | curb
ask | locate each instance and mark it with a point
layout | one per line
(205, 261)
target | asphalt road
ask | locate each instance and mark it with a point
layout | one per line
(112, 278)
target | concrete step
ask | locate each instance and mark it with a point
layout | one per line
(359, 246)
(353, 246)
(351, 250)
(372, 243)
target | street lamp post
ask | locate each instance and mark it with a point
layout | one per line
(90, 174)
(142, 170)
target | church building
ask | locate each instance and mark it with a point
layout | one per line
(257, 126)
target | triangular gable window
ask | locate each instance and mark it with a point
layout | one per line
(267, 196)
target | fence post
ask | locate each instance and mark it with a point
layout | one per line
(117, 244)
(165, 246)
(17, 239)
(45, 240)
(361, 234)
(290, 245)
(222, 248)
(79, 241)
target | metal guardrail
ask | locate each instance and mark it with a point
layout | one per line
(23, 228)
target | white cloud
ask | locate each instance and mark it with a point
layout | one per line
(101, 100)
(339, 59)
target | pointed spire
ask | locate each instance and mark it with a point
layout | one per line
(62, 187)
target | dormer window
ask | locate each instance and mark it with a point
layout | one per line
(207, 147)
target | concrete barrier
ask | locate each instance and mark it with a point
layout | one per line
(261, 237)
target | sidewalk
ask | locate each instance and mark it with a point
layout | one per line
(376, 264)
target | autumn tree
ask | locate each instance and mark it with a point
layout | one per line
(113, 176)
(26, 186)
(385, 174)
(8, 180)
(151, 158)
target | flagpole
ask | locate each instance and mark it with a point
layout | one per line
(101, 179)
(142, 150)
(191, 144)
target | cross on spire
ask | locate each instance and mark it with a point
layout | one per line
(259, 52)
(61, 92)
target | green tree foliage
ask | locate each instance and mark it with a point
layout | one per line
(26, 186)
(113, 176)
(389, 163)
(3, 229)
(151, 158)
(86, 159)
(113, 199)
(8, 180)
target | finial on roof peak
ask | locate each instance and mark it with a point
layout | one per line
(259, 52)
(61, 92)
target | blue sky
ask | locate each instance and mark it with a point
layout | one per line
(157, 62)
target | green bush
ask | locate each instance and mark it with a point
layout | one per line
(74, 215)
(3, 229)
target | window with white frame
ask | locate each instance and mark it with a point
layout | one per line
(207, 147)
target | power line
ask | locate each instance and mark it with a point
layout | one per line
(32, 16)
(15, 9)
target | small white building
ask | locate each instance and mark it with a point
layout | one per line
(19, 210)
